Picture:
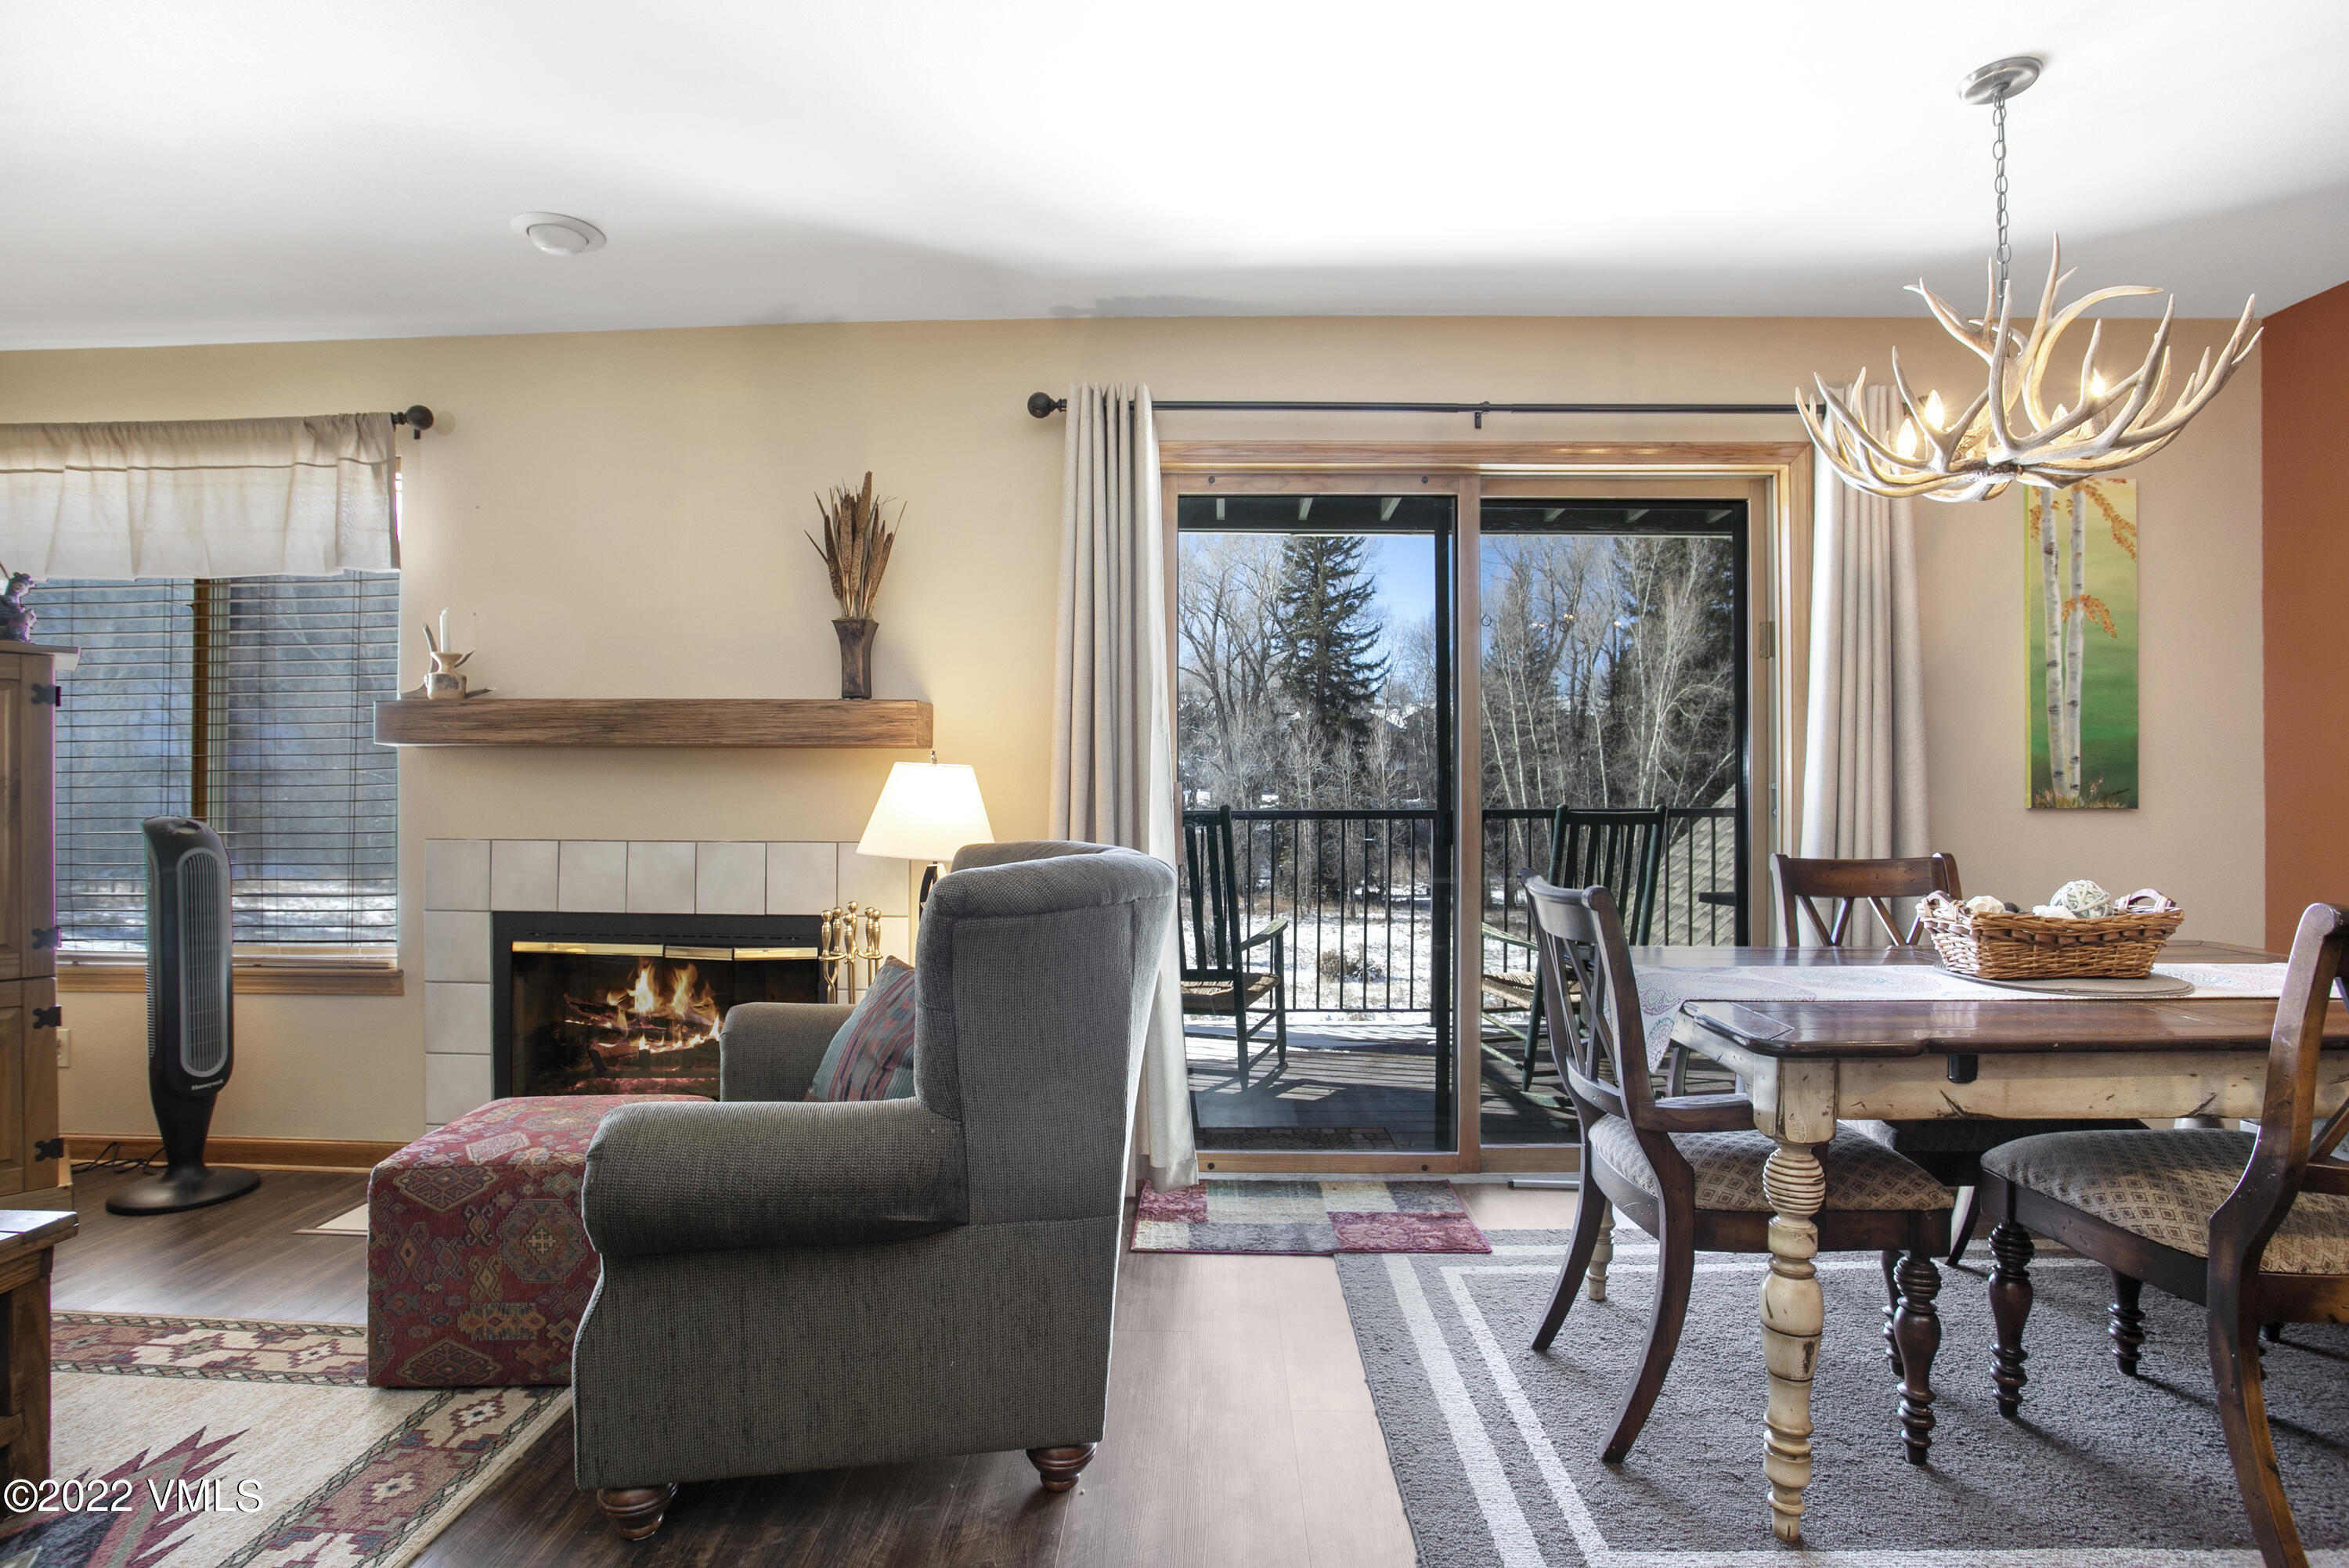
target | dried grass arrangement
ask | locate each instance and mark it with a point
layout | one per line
(855, 546)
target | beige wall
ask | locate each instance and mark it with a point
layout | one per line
(624, 510)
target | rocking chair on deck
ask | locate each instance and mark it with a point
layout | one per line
(1620, 848)
(1218, 978)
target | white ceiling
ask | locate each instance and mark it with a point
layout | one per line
(248, 169)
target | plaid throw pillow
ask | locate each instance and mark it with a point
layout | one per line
(872, 1056)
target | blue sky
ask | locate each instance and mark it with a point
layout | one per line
(1405, 568)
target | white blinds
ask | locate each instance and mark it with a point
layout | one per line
(198, 497)
(248, 702)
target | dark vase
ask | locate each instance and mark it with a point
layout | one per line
(856, 657)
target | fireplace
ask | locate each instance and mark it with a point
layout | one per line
(631, 1004)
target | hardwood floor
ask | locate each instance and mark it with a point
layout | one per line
(239, 1259)
(1240, 1430)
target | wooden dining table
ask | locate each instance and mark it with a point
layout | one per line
(1807, 1065)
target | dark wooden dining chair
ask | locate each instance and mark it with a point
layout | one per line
(1853, 889)
(2255, 1227)
(1223, 975)
(1688, 1170)
(1620, 848)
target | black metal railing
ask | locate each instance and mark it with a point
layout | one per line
(1697, 891)
(1359, 888)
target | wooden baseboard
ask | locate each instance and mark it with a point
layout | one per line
(268, 1153)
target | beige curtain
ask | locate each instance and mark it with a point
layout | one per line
(1113, 732)
(1864, 755)
(197, 498)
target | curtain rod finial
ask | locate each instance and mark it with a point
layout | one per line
(1043, 405)
(415, 417)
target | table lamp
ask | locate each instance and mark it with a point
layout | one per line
(926, 811)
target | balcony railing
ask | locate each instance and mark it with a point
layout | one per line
(1697, 903)
(1359, 890)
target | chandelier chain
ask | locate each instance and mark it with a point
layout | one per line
(1998, 158)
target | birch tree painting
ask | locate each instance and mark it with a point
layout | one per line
(2080, 633)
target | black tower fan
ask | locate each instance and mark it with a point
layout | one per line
(189, 950)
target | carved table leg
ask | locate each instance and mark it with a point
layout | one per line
(636, 1511)
(1602, 1253)
(2128, 1324)
(2010, 1306)
(1918, 1328)
(1891, 1309)
(1793, 1314)
(1058, 1467)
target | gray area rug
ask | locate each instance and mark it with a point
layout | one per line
(1497, 1449)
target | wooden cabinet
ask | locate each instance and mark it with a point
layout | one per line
(32, 1157)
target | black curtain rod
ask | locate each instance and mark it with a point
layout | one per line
(415, 417)
(1043, 406)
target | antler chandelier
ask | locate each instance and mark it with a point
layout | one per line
(2007, 433)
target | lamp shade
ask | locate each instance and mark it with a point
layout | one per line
(926, 811)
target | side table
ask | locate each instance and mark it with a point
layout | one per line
(28, 1241)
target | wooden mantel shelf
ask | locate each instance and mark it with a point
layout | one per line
(653, 721)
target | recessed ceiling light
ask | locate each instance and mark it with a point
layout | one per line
(558, 235)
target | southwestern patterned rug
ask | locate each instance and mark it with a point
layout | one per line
(1495, 1447)
(182, 1442)
(1309, 1218)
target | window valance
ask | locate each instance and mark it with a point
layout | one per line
(197, 498)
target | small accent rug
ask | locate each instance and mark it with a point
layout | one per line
(184, 1442)
(350, 1223)
(1496, 1449)
(1306, 1218)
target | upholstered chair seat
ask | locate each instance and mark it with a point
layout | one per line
(2255, 1229)
(1974, 1135)
(2165, 1185)
(1862, 1173)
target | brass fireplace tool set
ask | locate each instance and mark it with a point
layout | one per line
(852, 936)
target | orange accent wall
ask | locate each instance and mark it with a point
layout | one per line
(2305, 556)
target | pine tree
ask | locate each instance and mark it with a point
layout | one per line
(1325, 639)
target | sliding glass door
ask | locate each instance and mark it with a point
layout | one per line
(1389, 683)
(1314, 728)
(1612, 682)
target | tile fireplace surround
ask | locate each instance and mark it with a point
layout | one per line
(466, 879)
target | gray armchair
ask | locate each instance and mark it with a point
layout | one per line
(793, 1287)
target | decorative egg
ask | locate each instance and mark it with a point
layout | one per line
(2083, 900)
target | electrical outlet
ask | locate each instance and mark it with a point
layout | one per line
(65, 1048)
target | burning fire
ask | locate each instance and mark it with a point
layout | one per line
(668, 1008)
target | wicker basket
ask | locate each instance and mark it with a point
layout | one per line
(2034, 947)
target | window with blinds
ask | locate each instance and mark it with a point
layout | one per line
(246, 702)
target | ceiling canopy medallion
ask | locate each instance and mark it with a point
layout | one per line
(2007, 433)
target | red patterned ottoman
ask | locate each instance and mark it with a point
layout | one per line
(478, 1266)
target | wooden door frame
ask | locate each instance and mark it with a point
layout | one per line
(1776, 476)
